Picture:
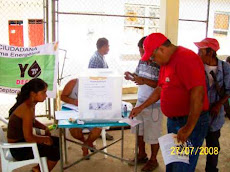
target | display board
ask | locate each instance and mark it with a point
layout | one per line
(100, 93)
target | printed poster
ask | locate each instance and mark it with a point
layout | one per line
(18, 65)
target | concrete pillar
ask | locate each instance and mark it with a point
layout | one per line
(169, 18)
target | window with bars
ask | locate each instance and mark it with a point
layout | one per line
(141, 20)
(140, 16)
(221, 24)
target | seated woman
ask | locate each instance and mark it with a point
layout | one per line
(21, 123)
(70, 95)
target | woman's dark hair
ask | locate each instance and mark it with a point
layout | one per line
(101, 42)
(34, 85)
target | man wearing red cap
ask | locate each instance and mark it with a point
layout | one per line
(183, 94)
(218, 70)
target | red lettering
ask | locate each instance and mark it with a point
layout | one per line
(22, 81)
(17, 82)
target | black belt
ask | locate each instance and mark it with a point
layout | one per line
(184, 117)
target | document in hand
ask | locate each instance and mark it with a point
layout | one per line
(171, 151)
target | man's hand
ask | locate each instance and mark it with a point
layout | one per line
(215, 109)
(135, 111)
(47, 132)
(48, 141)
(139, 80)
(129, 76)
(76, 102)
(183, 134)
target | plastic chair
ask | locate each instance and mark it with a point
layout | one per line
(103, 136)
(9, 163)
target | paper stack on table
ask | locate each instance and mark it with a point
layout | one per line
(66, 114)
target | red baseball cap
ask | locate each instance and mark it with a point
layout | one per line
(208, 43)
(152, 42)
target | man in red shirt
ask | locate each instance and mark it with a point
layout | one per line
(183, 94)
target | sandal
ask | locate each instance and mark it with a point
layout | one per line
(91, 150)
(150, 166)
(140, 160)
(91, 145)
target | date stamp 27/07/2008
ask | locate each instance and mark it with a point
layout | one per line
(177, 150)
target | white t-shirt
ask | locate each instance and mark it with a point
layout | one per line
(208, 69)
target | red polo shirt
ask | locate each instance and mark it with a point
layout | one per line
(184, 71)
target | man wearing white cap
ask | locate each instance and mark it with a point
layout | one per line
(218, 70)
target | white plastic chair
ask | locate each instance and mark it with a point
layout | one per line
(103, 136)
(9, 163)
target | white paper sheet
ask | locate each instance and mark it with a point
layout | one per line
(71, 106)
(66, 114)
(100, 96)
(97, 87)
(168, 145)
(131, 122)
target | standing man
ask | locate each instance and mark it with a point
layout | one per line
(214, 68)
(146, 77)
(182, 90)
(98, 61)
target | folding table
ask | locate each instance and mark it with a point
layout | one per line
(63, 124)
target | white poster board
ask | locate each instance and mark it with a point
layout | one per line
(100, 93)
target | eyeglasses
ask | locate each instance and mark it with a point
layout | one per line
(154, 54)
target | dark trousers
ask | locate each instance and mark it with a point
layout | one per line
(51, 152)
(212, 140)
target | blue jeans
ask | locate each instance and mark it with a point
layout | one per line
(196, 138)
